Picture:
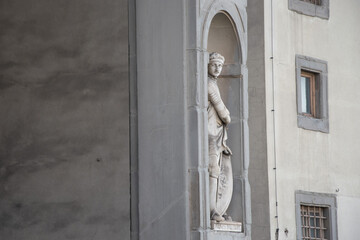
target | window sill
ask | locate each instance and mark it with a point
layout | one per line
(313, 124)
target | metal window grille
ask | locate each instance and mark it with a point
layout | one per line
(316, 2)
(313, 222)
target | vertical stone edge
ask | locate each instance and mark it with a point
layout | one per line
(134, 189)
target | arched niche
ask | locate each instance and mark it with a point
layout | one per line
(222, 28)
(223, 38)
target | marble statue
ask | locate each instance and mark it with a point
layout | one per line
(220, 170)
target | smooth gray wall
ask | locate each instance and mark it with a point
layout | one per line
(258, 175)
(64, 132)
(161, 96)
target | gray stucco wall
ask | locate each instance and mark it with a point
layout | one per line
(258, 176)
(161, 114)
(64, 158)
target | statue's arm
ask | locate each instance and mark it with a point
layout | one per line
(215, 98)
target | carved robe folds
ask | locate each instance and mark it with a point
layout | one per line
(220, 171)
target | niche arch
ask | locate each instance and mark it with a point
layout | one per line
(238, 18)
(224, 31)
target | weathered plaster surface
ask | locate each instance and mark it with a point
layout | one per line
(64, 120)
(348, 215)
(308, 160)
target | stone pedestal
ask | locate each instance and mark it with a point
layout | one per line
(226, 226)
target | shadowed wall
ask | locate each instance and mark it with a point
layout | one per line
(64, 160)
(258, 169)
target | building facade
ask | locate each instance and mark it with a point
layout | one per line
(312, 159)
(103, 133)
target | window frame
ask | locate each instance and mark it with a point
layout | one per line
(310, 9)
(320, 121)
(313, 94)
(327, 201)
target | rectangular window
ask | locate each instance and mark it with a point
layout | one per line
(315, 216)
(314, 222)
(311, 90)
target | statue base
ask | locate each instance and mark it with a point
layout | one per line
(226, 226)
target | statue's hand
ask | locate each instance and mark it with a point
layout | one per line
(227, 119)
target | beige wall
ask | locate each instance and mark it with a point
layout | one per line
(348, 217)
(308, 160)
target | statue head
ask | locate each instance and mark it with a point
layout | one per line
(216, 62)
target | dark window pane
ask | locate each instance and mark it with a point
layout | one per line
(312, 222)
(312, 232)
(305, 95)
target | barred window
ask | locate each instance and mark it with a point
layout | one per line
(316, 2)
(315, 216)
(314, 222)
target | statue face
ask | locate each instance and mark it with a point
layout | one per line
(214, 68)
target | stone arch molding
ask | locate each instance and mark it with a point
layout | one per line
(236, 12)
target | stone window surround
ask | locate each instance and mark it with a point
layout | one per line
(320, 68)
(318, 199)
(310, 9)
